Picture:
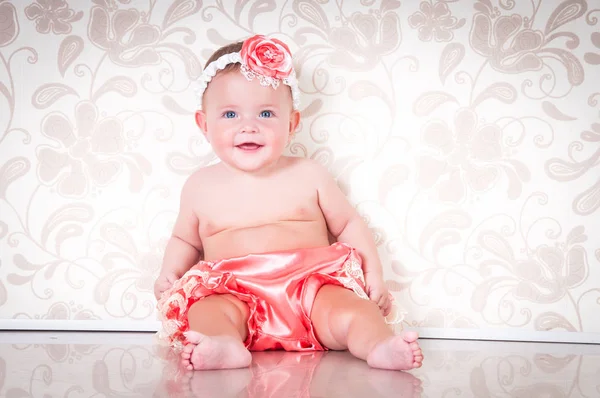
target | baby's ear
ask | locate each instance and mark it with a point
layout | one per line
(294, 121)
(201, 121)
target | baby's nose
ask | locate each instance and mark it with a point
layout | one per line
(248, 127)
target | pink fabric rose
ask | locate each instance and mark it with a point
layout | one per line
(268, 57)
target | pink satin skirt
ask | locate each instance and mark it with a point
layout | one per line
(279, 289)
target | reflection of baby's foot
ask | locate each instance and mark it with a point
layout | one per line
(397, 353)
(214, 352)
(175, 382)
(401, 384)
(215, 383)
(179, 387)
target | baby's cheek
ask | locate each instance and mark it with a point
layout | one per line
(281, 141)
(283, 133)
(221, 141)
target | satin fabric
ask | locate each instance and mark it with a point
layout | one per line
(279, 289)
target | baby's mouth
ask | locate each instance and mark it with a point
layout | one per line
(249, 146)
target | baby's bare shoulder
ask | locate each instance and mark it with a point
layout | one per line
(308, 170)
(199, 180)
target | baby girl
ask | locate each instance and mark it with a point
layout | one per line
(249, 265)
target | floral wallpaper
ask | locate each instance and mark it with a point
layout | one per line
(467, 133)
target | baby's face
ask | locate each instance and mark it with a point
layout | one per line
(248, 125)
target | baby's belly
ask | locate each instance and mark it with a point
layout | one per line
(281, 236)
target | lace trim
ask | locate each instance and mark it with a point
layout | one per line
(175, 299)
(354, 269)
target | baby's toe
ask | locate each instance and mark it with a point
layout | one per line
(410, 337)
(186, 364)
(193, 337)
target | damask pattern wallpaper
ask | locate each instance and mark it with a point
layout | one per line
(467, 133)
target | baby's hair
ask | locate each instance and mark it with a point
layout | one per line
(229, 48)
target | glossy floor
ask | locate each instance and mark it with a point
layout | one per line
(44, 364)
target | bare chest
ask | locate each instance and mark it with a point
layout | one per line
(238, 208)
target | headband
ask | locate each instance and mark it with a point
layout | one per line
(268, 60)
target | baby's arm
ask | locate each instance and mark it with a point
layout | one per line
(184, 247)
(347, 226)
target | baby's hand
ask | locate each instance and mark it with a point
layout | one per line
(378, 292)
(164, 282)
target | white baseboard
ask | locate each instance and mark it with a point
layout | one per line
(73, 325)
(509, 335)
(426, 333)
(78, 337)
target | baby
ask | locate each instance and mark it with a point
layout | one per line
(249, 265)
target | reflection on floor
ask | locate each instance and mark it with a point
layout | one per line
(42, 364)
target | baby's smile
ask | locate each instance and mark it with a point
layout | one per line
(249, 146)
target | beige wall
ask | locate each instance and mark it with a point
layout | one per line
(466, 132)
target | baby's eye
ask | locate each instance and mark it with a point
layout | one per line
(229, 115)
(266, 114)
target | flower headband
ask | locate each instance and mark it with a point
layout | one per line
(268, 60)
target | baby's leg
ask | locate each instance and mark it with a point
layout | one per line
(342, 320)
(218, 329)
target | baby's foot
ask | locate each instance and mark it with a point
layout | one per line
(397, 353)
(214, 352)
